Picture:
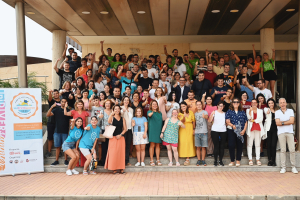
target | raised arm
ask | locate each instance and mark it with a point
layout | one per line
(50, 95)
(165, 50)
(62, 63)
(119, 72)
(211, 117)
(65, 110)
(136, 78)
(254, 52)
(203, 100)
(72, 124)
(273, 54)
(65, 51)
(110, 118)
(101, 47)
(237, 59)
(49, 113)
(248, 85)
(55, 65)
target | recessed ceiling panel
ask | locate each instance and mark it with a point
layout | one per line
(160, 16)
(178, 12)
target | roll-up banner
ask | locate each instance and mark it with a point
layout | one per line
(21, 132)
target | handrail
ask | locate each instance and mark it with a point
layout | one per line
(17, 78)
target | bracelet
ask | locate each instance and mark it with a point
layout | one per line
(162, 132)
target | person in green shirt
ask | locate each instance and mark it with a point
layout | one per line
(169, 61)
(174, 52)
(109, 52)
(188, 64)
(267, 67)
(116, 61)
(193, 60)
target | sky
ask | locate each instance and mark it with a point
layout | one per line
(38, 39)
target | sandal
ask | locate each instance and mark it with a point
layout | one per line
(231, 164)
(159, 163)
(93, 172)
(122, 172)
(250, 162)
(258, 163)
(177, 164)
(85, 173)
(186, 162)
(170, 164)
(238, 164)
(115, 172)
(152, 163)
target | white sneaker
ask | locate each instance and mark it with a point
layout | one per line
(74, 171)
(282, 171)
(294, 170)
(143, 164)
(68, 172)
(242, 154)
(137, 164)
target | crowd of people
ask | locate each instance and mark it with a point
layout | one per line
(193, 105)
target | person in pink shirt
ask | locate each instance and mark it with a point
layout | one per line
(162, 101)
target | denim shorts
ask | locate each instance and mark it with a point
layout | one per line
(201, 139)
(68, 145)
(59, 139)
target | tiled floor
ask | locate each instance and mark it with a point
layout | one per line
(153, 183)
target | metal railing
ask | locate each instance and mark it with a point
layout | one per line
(8, 79)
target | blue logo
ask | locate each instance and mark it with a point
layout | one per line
(26, 152)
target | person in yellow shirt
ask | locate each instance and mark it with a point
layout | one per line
(220, 68)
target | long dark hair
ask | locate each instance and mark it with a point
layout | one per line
(81, 127)
(114, 59)
(102, 92)
(275, 105)
(187, 109)
(82, 86)
(180, 60)
(170, 97)
(231, 105)
(261, 95)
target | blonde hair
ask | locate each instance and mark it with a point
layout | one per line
(162, 92)
(65, 83)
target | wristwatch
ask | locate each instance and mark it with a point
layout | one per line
(282, 123)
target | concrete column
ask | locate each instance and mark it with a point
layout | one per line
(297, 121)
(21, 44)
(267, 41)
(58, 46)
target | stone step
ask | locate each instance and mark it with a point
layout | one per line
(164, 168)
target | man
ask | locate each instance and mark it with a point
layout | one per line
(216, 56)
(181, 90)
(163, 83)
(109, 52)
(155, 84)
(116, 98)
(209, 74)
(244, 74)
(260, 89)
(284, 120)
(220, 68)
(64, 75)
(126, 81)
(152, 72)
(193, 60)
(74, 63)
(191, 101)
(174, 52)
(228, 78)
(243, 87)
(234, 59)
(188, 65)
(127, 93)
(201, 85)
(53, 98)
(135, 62)
(71, 51)
(61, 128)
(83, 69)
(144, 80)
(218, 91)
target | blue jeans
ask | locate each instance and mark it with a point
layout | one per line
(201, 139)
(59, 139)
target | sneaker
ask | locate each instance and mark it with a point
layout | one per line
(262, 154)
(294, 170)
(143, 164)
(55, 163)
(199, 162)
(74, 171)
(282, 171)
(274, 164)
(215, 163)
(137, 164)
(68, 172)
(66, 163)
(242, 154)
(85, 173)
(93, 172)
(221, 163)
(204, 163)
(48, 154)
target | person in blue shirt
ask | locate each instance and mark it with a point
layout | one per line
(88, 143)
(70, 145)
(243, 87)
(218, 91)
(236, 121)
(126, 81)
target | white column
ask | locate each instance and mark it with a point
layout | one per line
(21, 44)
(58, 46)
(298, 86)
(267, 41)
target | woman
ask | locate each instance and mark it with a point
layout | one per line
(169, 75)
(116, 61)
(162, 101)
(188, 80)
(226, 99)
(123, 56)
(256, 67)
(186, 134)
(88, 76)
(115, 159)
(180, 66)
(267, 72)
(107, 90)
(169, 135)
(218, 133)
(77, 94)
(169, 61)
(155, 122)
(175, 80)
(140, 139)
(103, 123)
(91, 88)
(67, 93)
(102, 98)
(136, 101)
(201, 65)
(261, 101)
(270, 128)
(172, 104)
(245, 104)
(127, 114)
(70, 145)
(158, 62)
(209, 108)
(85, 99)
(255, 131)
(88, 143)
(236, 121)
(102, 60)
(129, 62)
(105, 71)
(80, 83)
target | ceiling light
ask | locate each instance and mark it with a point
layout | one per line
(104, 12)
(290, 10)
(30, 13)
(234, 11)
(86, 12)
(141, 12)
(215, 11)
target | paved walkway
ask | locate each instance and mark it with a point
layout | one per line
(153, 183)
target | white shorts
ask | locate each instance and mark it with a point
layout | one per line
(84, 151)
(138, 138)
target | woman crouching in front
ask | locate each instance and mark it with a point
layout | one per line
(115, 159)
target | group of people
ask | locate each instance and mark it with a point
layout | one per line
(193, 105)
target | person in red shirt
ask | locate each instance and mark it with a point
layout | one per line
(145, 101)
(209, 74)
(245, 104)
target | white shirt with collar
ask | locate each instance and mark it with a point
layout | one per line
(284, 117)
(181, 88)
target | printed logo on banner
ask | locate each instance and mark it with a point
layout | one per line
(27, 152)
(24, 105)
(16, 161)
(11, 161)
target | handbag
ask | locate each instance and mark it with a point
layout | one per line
(109, 131)
(93, 164)
(101, 138)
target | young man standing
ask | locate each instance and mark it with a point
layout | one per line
(71, 51)
(142, 78)
(243, 74)
(116, 98)
(260, 89)
(74, 63)
(220, 68)
(188, 65)
(218, 91)
(209, 74)
(174, 52)
(193, 60)
(61, 128)
(126, 81)
(227, 77)
(152, 72)
(163, 83)
(284, 120)
(232, 63)
(109, 52)
(200, 133)
(64, 75)
(191, 101)
(181, 90)
(201, 85)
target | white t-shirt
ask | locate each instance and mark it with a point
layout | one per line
(266, 92)
(150, 71)
(152, 92)
(167, 84)
(219, 124)
(100, 86)
(181, 69)
(284, 117)
(175, 107)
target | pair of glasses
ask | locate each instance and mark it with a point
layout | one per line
(235, 102)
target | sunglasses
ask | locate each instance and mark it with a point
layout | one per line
(235, 102)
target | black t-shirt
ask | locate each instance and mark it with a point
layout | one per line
(78, 58)
(205, 85)
(52, 118)
(113, 97)
(249, 79)
(70, 101)
(226, 106)
(61, 120)
(65, 76)
(74, 65)
(145, 82)
(228, 80)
